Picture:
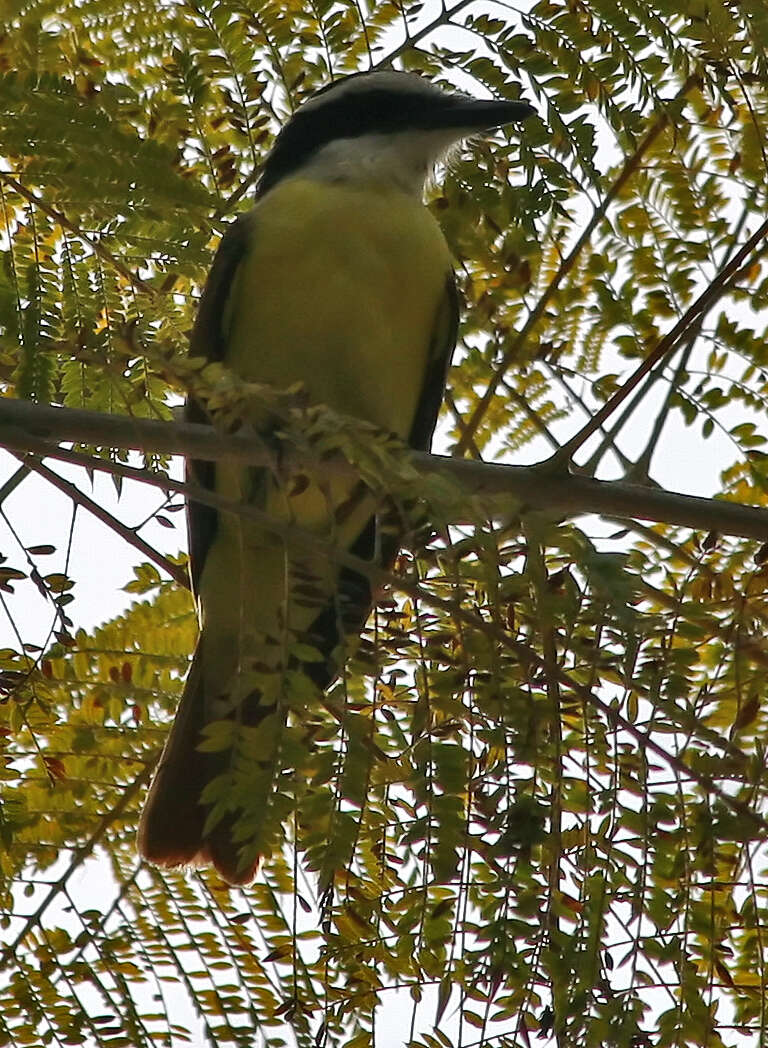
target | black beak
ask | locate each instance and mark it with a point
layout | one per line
(480, 115)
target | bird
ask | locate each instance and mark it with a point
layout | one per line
(339, 279)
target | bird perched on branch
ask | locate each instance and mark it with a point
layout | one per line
(340, 279)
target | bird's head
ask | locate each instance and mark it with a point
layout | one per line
(386, 126)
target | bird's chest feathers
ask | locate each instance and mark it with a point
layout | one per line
(340, 290)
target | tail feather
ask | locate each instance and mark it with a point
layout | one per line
(172, 831)
(172, 827)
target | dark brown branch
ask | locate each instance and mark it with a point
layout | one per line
(55, 424)
(666, 345)
(508, 490)
(13, 482)
(412, 40)
(176, 571)
(643, 462)
(631, 165)
(380, 577)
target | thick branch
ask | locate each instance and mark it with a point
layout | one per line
(511, 489)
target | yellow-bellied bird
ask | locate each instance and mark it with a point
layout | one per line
(340, 279)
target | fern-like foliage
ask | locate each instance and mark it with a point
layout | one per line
(535, 807)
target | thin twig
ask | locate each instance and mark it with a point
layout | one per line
(666, 345)
(129, 792)
(642, 465)
(414, 39)
(566, 265)
(177, 573)
(13, 482)
(95, 245)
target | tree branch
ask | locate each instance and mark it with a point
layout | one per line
(631, 165)
(668, 343)
(176, 571)
(510, 490)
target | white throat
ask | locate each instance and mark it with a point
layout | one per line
(404, 160)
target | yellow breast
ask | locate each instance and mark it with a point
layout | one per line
(340, 290)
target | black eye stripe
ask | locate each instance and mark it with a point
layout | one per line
(376, 111)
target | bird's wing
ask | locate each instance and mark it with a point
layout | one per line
(355, 590)
(444, 335)
(208, 340)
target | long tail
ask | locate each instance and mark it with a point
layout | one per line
(172, 827)
(173, 830)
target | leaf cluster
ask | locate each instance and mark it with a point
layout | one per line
(535, 803)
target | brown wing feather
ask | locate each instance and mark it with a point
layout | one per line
(208, 341)
(444, 337)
